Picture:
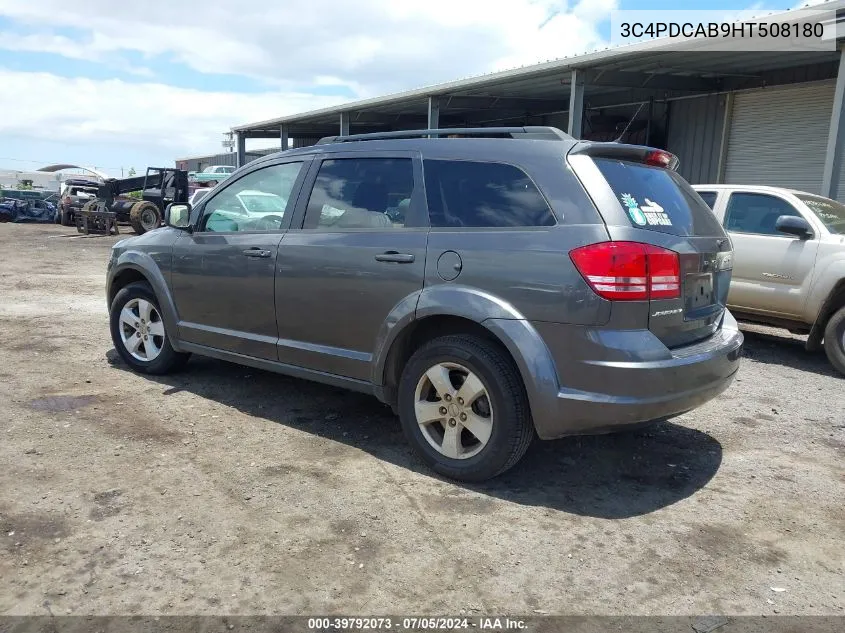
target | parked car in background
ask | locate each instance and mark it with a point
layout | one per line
(789, 268)
(211, 175)
(199, 194)
(75, 193)
(485, 288)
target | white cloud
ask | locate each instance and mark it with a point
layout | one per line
(369, 46)
(43, 106)
(379, 44)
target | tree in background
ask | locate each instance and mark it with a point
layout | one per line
(133, 194)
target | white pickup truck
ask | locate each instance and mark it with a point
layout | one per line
(789, 261)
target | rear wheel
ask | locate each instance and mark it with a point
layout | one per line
(834, 340)
(65, 218)
(144, 216)
(463, 408)
(138, 331)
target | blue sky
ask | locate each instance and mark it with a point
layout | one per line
(111, 85)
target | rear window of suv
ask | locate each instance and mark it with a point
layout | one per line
(658, 199)
(483, 195)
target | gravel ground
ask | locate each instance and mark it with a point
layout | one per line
(228, 490)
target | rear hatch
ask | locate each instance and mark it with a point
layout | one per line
(689, 257)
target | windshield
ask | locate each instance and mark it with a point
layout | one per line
(658, 199)
(262, 203)
(831, 212)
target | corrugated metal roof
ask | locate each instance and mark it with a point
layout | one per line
(660, 57)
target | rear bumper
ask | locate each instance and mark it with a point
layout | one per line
(640, 381)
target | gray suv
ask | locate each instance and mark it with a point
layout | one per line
(507, 282)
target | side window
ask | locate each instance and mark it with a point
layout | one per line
(256, 202)
(709, 197)
(756, 213)
(473, 194)
(361, 193)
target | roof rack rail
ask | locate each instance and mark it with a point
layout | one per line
(535, 132)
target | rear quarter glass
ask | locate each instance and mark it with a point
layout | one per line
(657, 199)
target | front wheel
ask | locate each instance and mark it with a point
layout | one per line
(463, 408)
(834, 340)
(138, 331)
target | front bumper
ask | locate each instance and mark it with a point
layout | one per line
(641, 381)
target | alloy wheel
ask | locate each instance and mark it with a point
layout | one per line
(453, 410)
(141, 329)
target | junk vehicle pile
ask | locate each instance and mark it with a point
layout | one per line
(26, 206)
(159, 187)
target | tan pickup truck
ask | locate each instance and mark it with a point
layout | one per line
(789, 261)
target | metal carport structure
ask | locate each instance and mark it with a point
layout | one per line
(684, 97)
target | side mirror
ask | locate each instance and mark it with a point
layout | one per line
(794, 225)
(178, 216)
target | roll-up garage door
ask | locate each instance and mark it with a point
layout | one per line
(778, 136)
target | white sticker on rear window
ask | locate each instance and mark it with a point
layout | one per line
(649, 213)
(654, 214)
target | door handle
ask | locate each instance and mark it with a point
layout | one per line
(393, 256)
(256, 252)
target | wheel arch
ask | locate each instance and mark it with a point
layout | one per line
(133, 267)
(834, 301)
(457, 310)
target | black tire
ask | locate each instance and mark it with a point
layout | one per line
(144, 216)
(65, 218)
(168, 359)
(513, 429)
(834, 340)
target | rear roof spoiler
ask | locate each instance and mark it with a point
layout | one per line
(635, 153)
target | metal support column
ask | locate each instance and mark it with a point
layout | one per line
(576, 103)
(344, 124)
(726, 132)
(433, 113)
(241, 157)
(835, 135)
(283, 137)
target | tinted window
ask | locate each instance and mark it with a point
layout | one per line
(831, 212)
(361, 193)
(471, 194)
(658, 199)
(256, 202)
(756, 213)
(709, 198)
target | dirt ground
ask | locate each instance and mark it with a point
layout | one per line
(227, 490)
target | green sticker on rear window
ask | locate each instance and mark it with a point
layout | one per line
(633, 208)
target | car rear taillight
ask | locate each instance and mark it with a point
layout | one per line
(629, 271)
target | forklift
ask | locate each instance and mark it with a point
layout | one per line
(159, 187)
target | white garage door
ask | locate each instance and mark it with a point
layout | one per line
(778, 136)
